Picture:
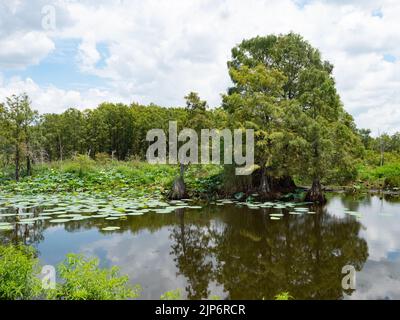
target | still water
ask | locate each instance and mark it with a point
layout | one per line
(239, 252)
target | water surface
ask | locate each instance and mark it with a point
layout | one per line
(235, 251)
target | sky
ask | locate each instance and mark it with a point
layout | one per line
(70, 53)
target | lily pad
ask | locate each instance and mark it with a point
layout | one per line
(6, 227)
(59, 220)
(110, 228)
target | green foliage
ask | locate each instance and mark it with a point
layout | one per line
(204, 180)
(103, 158)
(177, 295)
(17, 121)
(282, 88)
(387, 175)
(283, 296)
(172, 295)
(286, 93)
(392, 182)
(80, 165)
(117, 177)
(82, 279)
(18, 273)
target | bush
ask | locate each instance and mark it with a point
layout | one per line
(102, 157)
(80, 165)
(172, 295)
(386, 175)
(283, 296)
(82, 279)
(19, 269)
(392, 182)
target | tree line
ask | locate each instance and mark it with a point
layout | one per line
(281, 88)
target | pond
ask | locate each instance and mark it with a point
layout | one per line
(227, 249)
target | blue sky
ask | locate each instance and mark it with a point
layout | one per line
(80, 53)
(60, 68)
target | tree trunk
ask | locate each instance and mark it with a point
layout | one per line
(178, 188)
(28, 166)
(265, 187)
(60, 147)
(17, 163)
(315, 194)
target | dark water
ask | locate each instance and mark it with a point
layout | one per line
(240, 253)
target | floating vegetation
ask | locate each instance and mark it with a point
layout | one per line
(105, 207)
(135, 213)
(301, 209)
(6, 227)
(353, 213)
(59, 220)
(110, 228)
(276, 214)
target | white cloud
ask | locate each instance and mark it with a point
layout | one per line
(160, 50)
(53, 99)
(20, 50)
(88, 55)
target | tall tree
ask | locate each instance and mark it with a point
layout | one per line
(197, 119)
(18, 118)
(257, 104)
(307, 85)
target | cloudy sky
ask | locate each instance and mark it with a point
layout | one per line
(71, 53)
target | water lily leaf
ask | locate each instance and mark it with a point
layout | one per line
(276, 214)
(6, 227)
(110, 228)
(59, 220)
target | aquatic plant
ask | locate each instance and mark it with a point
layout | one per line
(82, 279)
(18, 273)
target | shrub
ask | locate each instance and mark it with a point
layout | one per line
(82, 279)
(102, 157)
(19, 269)
(171, 295)
(283, 296)
(392, 182)
(80, 165)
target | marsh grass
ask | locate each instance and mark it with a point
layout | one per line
(83, 174)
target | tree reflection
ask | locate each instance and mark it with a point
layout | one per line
(191, 250)
(254, 257)
(28, 234)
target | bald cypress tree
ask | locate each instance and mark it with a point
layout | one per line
(312, 134)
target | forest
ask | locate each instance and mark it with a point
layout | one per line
(281, 88)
